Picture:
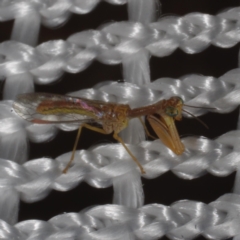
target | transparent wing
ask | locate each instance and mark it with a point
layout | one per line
(51, 108)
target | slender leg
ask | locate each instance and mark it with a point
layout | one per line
(129, 152)
(146, 130)
(96, 129)
(73, 151)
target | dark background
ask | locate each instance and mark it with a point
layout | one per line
(167, 188)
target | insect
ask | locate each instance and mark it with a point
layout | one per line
(44, 108)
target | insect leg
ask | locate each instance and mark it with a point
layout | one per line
(166, 131)
(129, 152)
(96, 129)
(74, 150)
(145, 128)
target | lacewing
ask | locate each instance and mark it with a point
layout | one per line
(44, 108)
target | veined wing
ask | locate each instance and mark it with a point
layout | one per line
(53, 108)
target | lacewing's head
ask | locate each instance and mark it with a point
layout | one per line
(173, 108)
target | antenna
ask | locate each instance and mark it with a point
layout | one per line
(199, 120)
(199, 107)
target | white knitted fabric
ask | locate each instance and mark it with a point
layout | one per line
(138, 47)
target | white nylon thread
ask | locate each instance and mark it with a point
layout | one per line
(181, 220)
(47, 62)
(102, 164)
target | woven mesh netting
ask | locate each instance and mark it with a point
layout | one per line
(133, 52)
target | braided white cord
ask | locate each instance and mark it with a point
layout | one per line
(192, 32)
(53, 13)
(114, 44)
(103, 165)
(181, 220)
(28, 15)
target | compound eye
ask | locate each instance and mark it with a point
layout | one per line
(180, 99)
(171, 111)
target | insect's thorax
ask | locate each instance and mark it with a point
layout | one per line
(115, 117)
(171, 107)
